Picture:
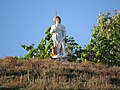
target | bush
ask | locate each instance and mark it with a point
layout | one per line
(104, 46)
(44, 49)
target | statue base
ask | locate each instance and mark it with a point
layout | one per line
(59, 58)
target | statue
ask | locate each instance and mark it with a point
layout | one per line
(58, 36)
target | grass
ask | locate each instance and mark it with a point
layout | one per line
(36, 73)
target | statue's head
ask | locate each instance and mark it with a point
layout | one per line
(57, 18)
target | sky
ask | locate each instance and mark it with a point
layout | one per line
(25, 21)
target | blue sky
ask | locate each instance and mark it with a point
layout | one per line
(25, 21)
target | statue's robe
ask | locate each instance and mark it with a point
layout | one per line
(58, 36)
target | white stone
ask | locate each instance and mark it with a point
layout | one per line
(58, 36)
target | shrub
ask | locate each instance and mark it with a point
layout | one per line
(104, 46)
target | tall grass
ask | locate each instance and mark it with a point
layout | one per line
(46, 74)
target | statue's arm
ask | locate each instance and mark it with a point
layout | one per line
(53, 30)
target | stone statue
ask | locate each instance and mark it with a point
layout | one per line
(58, 36)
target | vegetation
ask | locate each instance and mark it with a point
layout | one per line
(104, 46)
(35, 74)
(44, 49)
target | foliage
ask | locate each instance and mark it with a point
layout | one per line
(43, 50)
(18, 57)
(104, 46)
(73, 50)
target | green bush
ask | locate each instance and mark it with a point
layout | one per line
(44, 49)
(104, 46)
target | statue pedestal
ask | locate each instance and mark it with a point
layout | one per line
(59, 56)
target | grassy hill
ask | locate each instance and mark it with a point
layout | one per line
(36, 74)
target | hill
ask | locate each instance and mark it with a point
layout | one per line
(47, 74)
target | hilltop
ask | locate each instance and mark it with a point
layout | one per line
(47, 74)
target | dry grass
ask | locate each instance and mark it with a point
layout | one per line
(36, 74)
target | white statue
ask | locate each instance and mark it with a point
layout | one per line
(58, 36)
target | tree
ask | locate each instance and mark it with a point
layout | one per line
(104, 46)
(44, 49)
(73, 50)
